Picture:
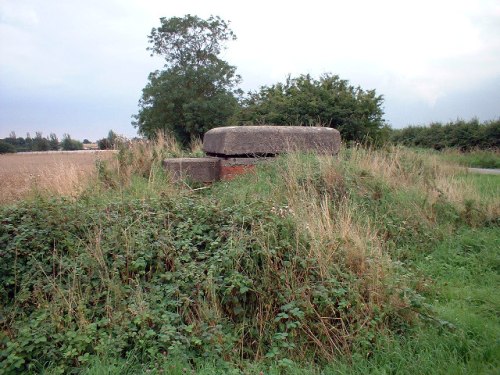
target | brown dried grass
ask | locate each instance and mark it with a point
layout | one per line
(338, 230)
(427, 173)
(55, 173)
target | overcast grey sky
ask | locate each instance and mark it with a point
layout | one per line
(78, 66)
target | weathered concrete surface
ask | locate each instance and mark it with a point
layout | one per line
(237, 149)
(270, 140)
(195, 169)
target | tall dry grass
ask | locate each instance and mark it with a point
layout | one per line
(138, 167)
(61, 179)
(332, 201)
(25, 175)
(339, 230)
(70, 174)
(424, 173)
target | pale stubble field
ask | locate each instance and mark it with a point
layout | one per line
(60, 173)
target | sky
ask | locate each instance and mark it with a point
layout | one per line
(79, 66)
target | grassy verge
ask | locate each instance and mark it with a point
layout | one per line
(373, 262)
(474, 159)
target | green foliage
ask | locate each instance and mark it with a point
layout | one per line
(463, 135)
(190, 41)
(157, 278)
(474, 158)
(197, 90)
(332, 101)
(39, 143)
(187, 103)
(229, 279)
(110, 142)
(6, 148)
(53, 142)
(68, 144)
(19, 143)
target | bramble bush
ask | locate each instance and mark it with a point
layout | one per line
(160, 278)
(308, 258)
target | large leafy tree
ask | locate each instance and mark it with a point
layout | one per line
(196, 90)
(329, 101)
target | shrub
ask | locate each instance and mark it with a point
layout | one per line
(6, 148)
(329, 100)
(68, 144)
(463, 135)
(310, 257)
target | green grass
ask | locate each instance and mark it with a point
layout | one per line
(378, 262)
(475, 158)
(488, 186)
(472, 158)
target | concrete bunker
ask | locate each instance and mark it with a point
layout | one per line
(234, 150)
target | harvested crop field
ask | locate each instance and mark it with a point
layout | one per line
(58, 172)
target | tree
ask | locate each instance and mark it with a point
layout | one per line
(330, 101)
(6, 148)
(109, 143)
(104, 144)
(54, 142)
(69, 144)
(460, 134)
(197, 90)
(28, 142)
(18, 143)
(40, 143)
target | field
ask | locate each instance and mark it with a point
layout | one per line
(60, 173)
(378, 261)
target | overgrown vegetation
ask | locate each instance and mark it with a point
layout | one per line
(68, 144)
(112, 142)
(342, 265)
(473, 158)
(460, 134)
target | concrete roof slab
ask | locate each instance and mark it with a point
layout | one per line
(270, 140)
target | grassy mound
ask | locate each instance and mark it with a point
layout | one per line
(311, 263)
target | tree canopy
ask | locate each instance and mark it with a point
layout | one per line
(464, 135)
(6, 148)
(39, 143)
(329, 101)
(190, 41)
(68, 144)
(196, 90)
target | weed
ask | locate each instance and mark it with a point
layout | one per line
(377, 260)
